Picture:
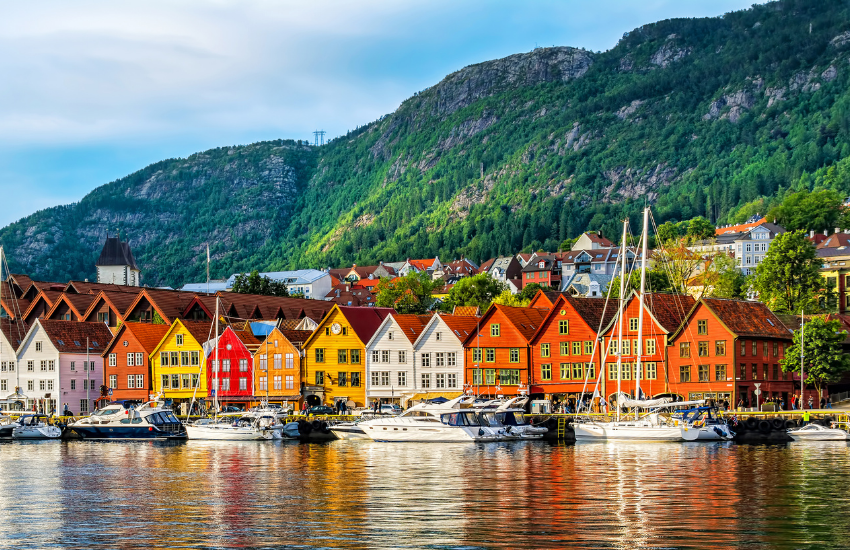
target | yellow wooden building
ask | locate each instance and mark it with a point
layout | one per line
(178, 363)
(335, 355)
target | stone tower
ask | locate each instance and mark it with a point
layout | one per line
(116, 264)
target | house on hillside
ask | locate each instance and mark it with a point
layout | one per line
(505, 269)
(309, 283)
(747, 242)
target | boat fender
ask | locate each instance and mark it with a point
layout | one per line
(325, 429)
(719, 432)
(304, 428)
(777, 423)
(751, 423)
(789, 424)
(764, 426)
(481, 431)
(317, 425)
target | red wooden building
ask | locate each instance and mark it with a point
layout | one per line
(663, 314)
(127, 368)
(565, 348)
(234, 368)
(724, 348)
(497, 356)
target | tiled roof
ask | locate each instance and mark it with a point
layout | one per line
(49, 297)
(202, 331)
(85, 287)
(836, 240)
(288, 324)
(526, 320)
(591, 310)
(148, 335)
(79, 304)
(550, 263)
(466, 311)
(169, 303)
(116, 252)
(251, 342)
(15, 332)
(668, 309)
(485, 267)
(118, 302)
(739, 228)
(365, 320)
(23, 281)
(411, 325)
(461, 325)
(422, 265)
(70, 336)
(752, 319)
(269, 307)
(598, 239)
(297, 337)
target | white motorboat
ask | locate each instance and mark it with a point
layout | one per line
(151, 420)
(35, 426)
(699, 424)
(509, 415)
(452, 421)
(816, 432)
(349, 430)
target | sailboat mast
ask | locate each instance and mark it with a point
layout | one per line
(620, 314)
(802, 363)
(216, 363)
(639, 350)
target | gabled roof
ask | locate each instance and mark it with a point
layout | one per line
(464, 266)
(49, 297)
(15, 331)
(598, 239)
(750, 319)
(117, 302)
(116, 252)
(70, 336)
(412, 326)
(297, 337)
(22, 281)
(78, 304)
(466, 311)
(525, 320)
(148, 335)
(422, 265)
(364, 321)
(835, 240)
(593, 311)
(247, 306)
(85, 287)
(544, 298)
(740, 228)
(667, 310)
(462, 326)
(170, 304)
(550, 263)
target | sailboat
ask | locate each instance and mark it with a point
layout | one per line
(246, 427)
(649, 425)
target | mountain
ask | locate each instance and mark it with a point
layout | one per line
(716, 117)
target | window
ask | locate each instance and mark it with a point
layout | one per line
(320, 378)
(342, 356)
(344, 331)
(702, 326)
(376, 356)
(565, 371)
(355, 379)
(776, 349)
(651, 370)
(576, 348)
(476, 355)
(495, 329)
(438, 336)
(440, 380)
(402, 357)
(225, 384)
(612, 371)
(38, 346)
(277, 358)
(328, 330)
(755, 371)
(30, 386)
(513, 356)
(720, 348)
(743, 372)
(546, 371)
(775, 371)
(264, 383)
(264, 363)
(179, 339)
(720, 373)
(390, 335)
(402, 378)
(565, 348)
(140, 381)
(320, 355)
(73, 384)
(175, 382)
(225, 365)
(627, 345)
(426, 359)
(451, 359)
(113, 360)
(626, 371)
(131, 359)
(633, 324)
(685, 373)
(131, 381)
(703, 349)
(451, 380)
(544, 350)
(140, 359)
(578, 371)
(196, 358)
(703, 373)
(477, 378)
(166, 381)
(440, 359)
(84, 406)
(509, 377)
(489, 376)
(385, 356)
(243, 364)
(243, 383)
(755, 348)
(174, 358)
(276, 379)
(588, 347)
(11, 366)
(490, 355)
(650, 346)
(290, 358)
(563, 326)
(51, 365)
(4, 385)
(342, 379)
(43, 366)
(290, 381)
(113, 381)
(385, 378)
(743, 348)
(30, 365)
(426, 381)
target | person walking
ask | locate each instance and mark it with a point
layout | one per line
(811, 402)
(304, 408)
(823, 402)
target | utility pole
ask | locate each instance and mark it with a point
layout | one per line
(319, 136)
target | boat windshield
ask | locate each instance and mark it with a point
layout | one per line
(512, 418)
(107, 411)
(164, 417)
(490, 419)
(460, 419)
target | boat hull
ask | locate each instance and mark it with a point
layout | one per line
(39, 432)
(605, 432)
(349, 432)
(819, 437)
(425, 434)
(123, 432)
(225, 433)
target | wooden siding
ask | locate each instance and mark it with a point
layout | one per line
(190, 345)
(382, 342)
(509, 338)
(331, 344)
(277, 344)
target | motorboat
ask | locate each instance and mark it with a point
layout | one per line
(816, 432)
(699, 424)
(454, 420)
(152, 420)
(7, 426)
(349, 430)
(242, 427)
(650, 427)
(35, 426)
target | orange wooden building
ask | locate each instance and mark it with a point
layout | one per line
(277, 367)
(497, 357)
(127, 368)
(724, 348)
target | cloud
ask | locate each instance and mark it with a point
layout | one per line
(117, 83)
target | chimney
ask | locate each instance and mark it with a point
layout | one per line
(812, 234)
(826, 232)
(838, 230)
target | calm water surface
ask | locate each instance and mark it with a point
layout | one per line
(359, 494)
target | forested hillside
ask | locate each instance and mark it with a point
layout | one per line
(715, 117)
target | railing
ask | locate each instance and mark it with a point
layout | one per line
(836, 397)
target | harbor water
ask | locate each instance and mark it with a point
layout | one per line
(360, 494)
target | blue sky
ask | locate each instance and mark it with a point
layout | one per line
(93, 91)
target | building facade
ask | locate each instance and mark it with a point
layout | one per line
(277, 368)
(127, 360)
(178, 363)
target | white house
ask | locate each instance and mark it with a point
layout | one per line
(55, 368)
(390, 373)
(747, 242)
(438, 359)
(312, 283)
(12, 334)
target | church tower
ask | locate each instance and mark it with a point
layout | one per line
(116, 264)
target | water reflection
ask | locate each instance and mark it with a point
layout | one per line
(358, 494)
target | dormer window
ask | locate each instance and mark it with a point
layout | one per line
(179, 339)
(541, 265)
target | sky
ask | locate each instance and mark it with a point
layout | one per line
(93, 90)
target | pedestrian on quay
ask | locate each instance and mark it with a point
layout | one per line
(811, 402)
(603, 405)
(823, 402)
(806, 417)
(740, 403)
(304, 408)
(343, 407)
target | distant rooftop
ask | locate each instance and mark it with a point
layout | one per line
(297, 277)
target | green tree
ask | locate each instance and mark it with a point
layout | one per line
(817, 210)
(411, 294)
(253, 283)
(729, 282)
(823, 356)
(507, 298)
(788, 279)
(700, 229)
(668, 231)
(479, 290)
(529, 291)
(657, 280)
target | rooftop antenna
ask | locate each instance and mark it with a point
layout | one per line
(320, 137)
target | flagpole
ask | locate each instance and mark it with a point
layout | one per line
(802, 363)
